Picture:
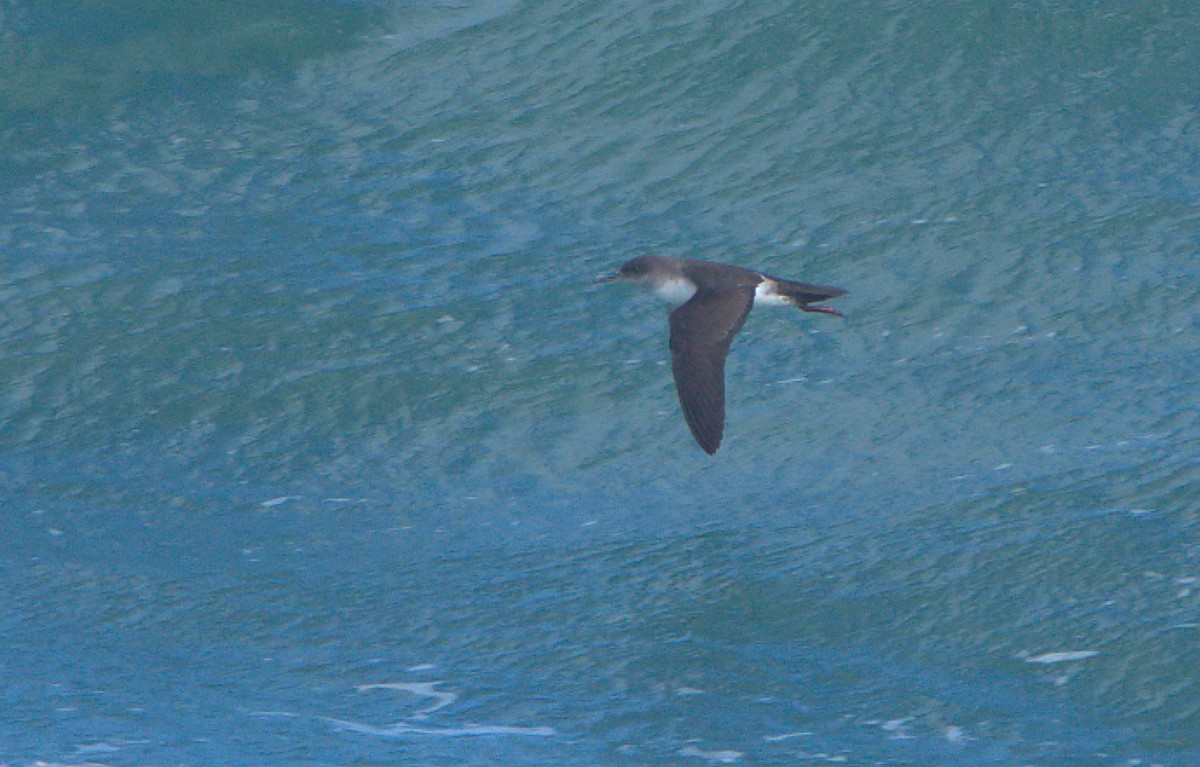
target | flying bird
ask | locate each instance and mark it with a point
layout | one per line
(713, 302)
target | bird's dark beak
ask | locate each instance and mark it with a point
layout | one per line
(607, 278)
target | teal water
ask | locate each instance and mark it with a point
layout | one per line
(319, 446)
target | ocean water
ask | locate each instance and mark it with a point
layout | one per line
(319, 446)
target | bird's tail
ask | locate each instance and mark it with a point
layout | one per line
(805, 296)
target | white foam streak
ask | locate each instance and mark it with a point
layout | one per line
(1062, 657)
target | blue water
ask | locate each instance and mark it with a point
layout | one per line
(318, 444)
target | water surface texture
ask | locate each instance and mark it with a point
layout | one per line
(319, 446)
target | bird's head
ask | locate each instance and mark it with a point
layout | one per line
(638, 269)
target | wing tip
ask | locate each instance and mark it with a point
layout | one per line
(706, 433)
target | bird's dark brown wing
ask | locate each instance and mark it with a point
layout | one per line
(701, 331)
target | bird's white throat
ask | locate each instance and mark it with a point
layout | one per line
(674, 289)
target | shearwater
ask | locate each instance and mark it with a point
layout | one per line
(714, 301)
